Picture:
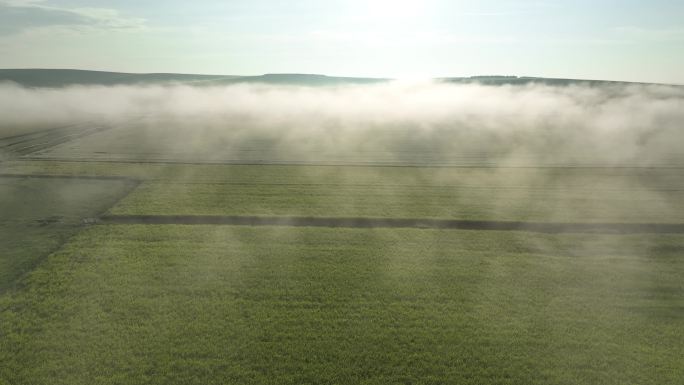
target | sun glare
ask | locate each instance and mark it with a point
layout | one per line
(390, 12)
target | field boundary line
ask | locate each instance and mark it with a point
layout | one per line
(342, 164)
(345, 222)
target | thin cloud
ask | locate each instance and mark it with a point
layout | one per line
(23, 16)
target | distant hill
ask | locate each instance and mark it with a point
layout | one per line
(305, 79)
(522, 80)
(66, 77)
(52, 78)
(61, 78)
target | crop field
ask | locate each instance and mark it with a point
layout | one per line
(39, 214)
(13, 130)
(209, 304)
(7, 131)
(220, 249)
(203, 304)
(509, 194)
(171, 141)
(554, 204)
(178, 140)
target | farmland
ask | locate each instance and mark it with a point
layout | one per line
(39, 214)
(91, 293)
(203, 304)
(533, 194)
(406, 201)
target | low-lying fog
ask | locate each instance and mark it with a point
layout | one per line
(427, 122)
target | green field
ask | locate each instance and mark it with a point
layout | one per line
(255, 141)
(513, 194)
(202, 304)
(507, 203)
(84, 303)
(39, 214)
(11, 130)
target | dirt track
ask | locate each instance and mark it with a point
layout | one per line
(58, 176)
(610, 228)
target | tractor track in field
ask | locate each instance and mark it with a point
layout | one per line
(60, 176)
(239, 162)
(25, 144)
(538, 227)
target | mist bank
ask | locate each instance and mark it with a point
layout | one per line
(410, 122)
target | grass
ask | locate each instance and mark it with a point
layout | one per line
(583, 178)
(173, 304)
(8, 130)
(187, 139)
(555, 204)
(38, 215)
(134, 304)
(203, 305)
(256, 141)
(564, 195)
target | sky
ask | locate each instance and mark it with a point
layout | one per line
(630, 40)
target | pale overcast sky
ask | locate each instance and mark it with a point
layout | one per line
(634, 40)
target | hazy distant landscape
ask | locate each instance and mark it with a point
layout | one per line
(67, 77)
(290, 229)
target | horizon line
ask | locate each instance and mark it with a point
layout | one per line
(473, 77)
